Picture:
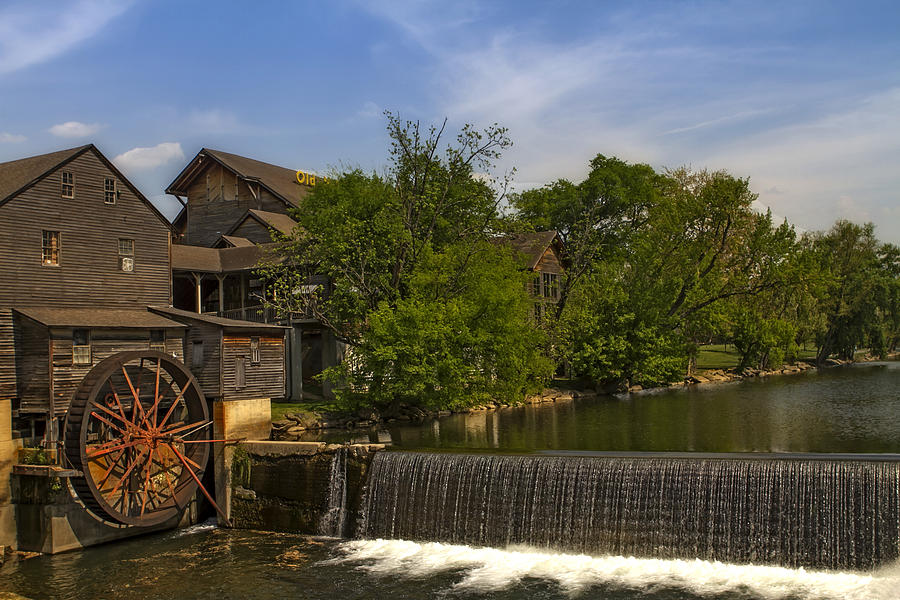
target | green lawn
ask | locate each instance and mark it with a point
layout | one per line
(279, 409)
(715, 356)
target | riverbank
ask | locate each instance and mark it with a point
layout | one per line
(294, 423)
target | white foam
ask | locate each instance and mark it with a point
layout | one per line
(489, 569)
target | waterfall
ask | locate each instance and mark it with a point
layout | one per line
(334, 521)
(793, 511)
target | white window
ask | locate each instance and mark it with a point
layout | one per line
(68, 184)
(81, 346)
(254, 351)
(50, 248)
(109, 190)
(158, 340)
(126, 254)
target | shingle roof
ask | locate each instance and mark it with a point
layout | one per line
(529, 247)
(217, 260)
(97, 317)
(236, 240)
(18, 174)
(278, 221)
(177, 313)
(281, 181)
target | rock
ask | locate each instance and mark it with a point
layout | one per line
(295, 430)
(367, 414)
(282, 423)
(635, 388)
(243, 493)
(444, 413)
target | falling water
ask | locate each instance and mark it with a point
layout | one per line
(793, 511)
(334, 521)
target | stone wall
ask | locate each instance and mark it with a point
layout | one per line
(291, 486)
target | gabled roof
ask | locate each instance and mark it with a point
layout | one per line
(186, 315)
(99, 318)
(232, 241)
(18, 175)
(271, 220)
(530, 247)
(201, 259)
(281, 181)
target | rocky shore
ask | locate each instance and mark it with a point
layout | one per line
(295, 424)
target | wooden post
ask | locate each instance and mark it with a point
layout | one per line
(221, 279)
(198, 294)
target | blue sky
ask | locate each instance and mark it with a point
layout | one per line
(802, 97)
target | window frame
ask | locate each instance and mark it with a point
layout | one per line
(126, 256)
(160, 343)
(49, 250)
(255, 357)
(550, 284)
(67, 186)
(110, 193)
(81, 353)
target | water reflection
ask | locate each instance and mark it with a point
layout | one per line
(847, 410)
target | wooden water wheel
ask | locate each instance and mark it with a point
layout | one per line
(138, 429)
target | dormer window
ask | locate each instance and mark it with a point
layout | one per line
(68, 184)
(109, 190)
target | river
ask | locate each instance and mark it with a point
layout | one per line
(846, 410)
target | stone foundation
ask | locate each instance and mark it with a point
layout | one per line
(287, 486)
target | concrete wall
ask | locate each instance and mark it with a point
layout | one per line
(233, 420)
(8, 452)
(288, 486)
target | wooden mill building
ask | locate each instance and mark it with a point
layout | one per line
(83, 254)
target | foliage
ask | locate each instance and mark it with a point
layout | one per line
(401, 268)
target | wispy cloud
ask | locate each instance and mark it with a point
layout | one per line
(142, 159)
(370, 110)
(11, 138)
(745, 114)
(35, 31)
(75, 129)
(213, 120)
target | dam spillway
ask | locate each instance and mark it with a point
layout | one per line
(796, 510)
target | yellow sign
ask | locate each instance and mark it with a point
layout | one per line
(304, 178)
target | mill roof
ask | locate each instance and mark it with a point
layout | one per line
(18, 175)
(97, 318)
(218, 260)
(529, 247)
(177, 313)
(281, 181)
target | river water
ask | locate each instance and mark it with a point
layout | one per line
(847, 410)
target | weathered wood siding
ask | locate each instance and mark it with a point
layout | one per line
(254, 231)
(549, 262)
(263, 380)
(207, 374)
(7, 356)
(88, 274)
(210, 216)
(104, 343)
(32, 364)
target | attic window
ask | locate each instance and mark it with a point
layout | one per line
(68, 184)
(109, 190)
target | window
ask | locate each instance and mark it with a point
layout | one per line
(536, 285)
(240, 372)
(50, 248)
(551, 285)
(254, 351)
(126, 255)
(109, 190)
(68, 184)
(158, 340)
(81, 346)
(207, 187)
(197, 354)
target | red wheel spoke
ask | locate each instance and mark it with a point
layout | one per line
(108, 422)
(111, 468)
(137, 398)
(108, 450)
(171, 408)
(128, 471)
(196, 425)
(185, 460)
(156, 396)
(118, 401)
(148, 466)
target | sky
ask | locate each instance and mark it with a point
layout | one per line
(803, 98)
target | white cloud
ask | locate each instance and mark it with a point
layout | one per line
(36, 31)
(370, 110)
(11, 138)
(141, 159)
(74, 129)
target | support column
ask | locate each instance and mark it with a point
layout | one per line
(198, 293)
(221, 279)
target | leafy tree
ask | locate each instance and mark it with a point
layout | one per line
(400, 268)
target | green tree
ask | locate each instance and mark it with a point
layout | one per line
(400, 267)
